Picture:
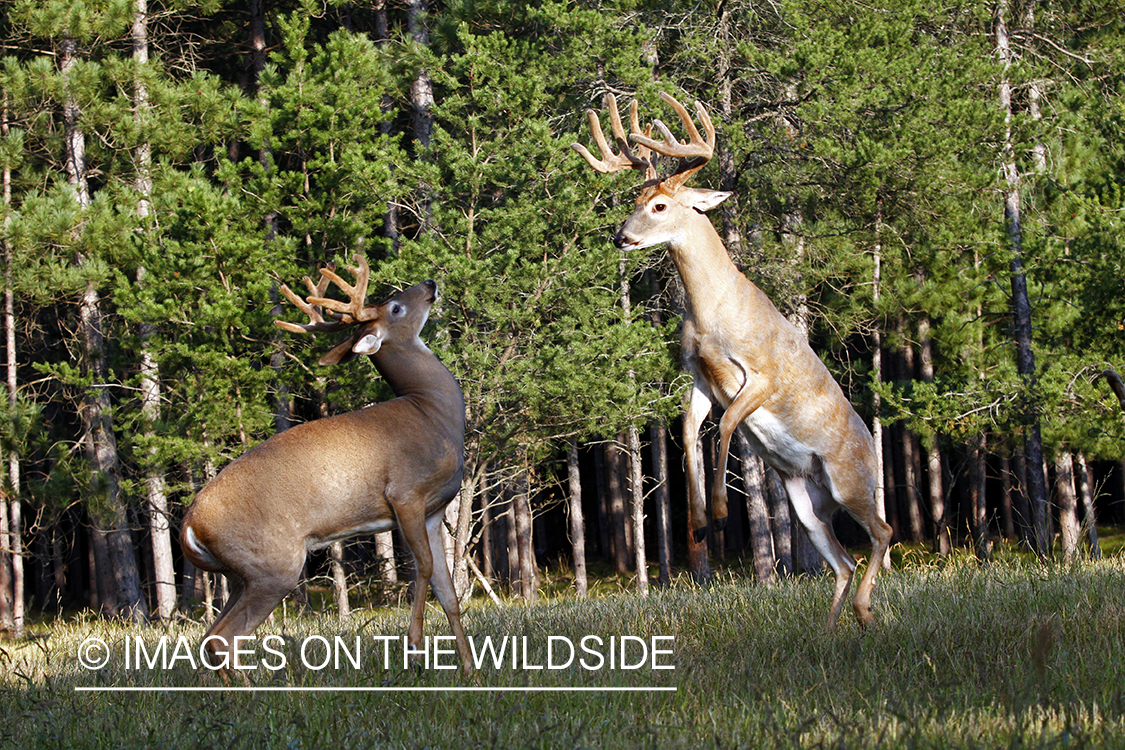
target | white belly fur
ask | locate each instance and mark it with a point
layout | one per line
(771, 440)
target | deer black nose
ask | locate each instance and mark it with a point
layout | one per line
(619, 240)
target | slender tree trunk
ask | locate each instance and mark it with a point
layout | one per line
(636, 483)
(877, 400)
(95, 411)
(942, 544)
(659, 435)
(577, 523)
(1021, 304)
(977, 477)
(385, 554)
(339, 580)
(11, 532)
(1086, 495)
(781, 523)
(1068, 504)
(525, 544)
(757, 511)
(614, 466)
(910, 449)
(164, 575)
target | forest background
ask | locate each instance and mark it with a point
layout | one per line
(934, 191)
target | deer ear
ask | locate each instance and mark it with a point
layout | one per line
(368, 343)
(339, 354)
(705, 200)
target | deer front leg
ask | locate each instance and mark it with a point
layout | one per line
(412, 523)
(444, 590)
(746, 402)
(699, 406)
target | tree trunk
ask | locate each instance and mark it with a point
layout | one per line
(757, 511)
(781, 523)
(95, 412)
(1068, 505)
(636, 483)
(877, 401)
(525, 544)
(339, 580)
(659, 436)
(1021, 305)
(942, 543)
(385, 554)
(1086, 495)
(421, 98)
(614, 466)
(11, 531)
(911, 468)
(164, 575)
(977, 476)
(577, 523)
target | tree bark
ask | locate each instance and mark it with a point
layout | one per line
(1068, 505)
(757, 511)
(942, 543)
(95, 412)
(1021, 304)
(1086, 495)
(659, 435)
(521, 503)
(981, 544)
(339, 579)
(577, 522)
(636, 485)
(614, 466)
(11, 517)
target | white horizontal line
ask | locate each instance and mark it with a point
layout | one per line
(285, 689)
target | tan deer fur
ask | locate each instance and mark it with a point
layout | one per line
(744, 355)
(396, 463)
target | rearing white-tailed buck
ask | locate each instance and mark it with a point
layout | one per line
(395, 463)
(744, 354)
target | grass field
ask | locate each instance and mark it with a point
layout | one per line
(1013, 654)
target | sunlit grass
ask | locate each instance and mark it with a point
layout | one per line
(1012, 654)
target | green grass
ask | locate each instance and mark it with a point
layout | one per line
(1014, 654)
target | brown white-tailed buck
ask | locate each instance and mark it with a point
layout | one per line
(396, 463)
(744, 354)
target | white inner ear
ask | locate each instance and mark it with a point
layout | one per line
(368, 344)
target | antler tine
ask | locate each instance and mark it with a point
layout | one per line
(316, 322)
(611, 162)
(354, 307)
(698, 148)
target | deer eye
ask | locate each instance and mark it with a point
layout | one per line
(397, 309)
(660, 208)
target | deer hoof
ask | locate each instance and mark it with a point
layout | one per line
(720, 523)
(700, 534)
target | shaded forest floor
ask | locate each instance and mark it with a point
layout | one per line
(1012, 654)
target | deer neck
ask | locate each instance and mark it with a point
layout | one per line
(414, 373)
(708, 274)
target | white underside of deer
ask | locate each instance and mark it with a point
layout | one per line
(745, 356)
(394, 464)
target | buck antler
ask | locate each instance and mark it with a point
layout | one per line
(698, 149)
(611, 162)
(343, 314)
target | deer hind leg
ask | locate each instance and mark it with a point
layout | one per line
(813, 506)
(251, 601)
(860, 504)
(444, 590)
(698, 408)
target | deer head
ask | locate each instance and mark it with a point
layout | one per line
(400, 317)
(665, 207)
